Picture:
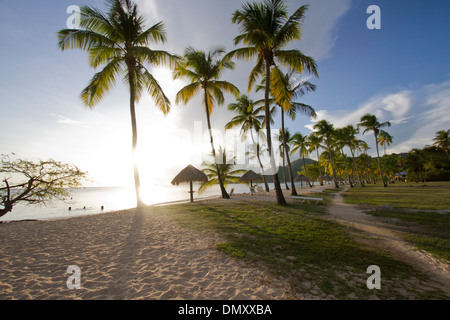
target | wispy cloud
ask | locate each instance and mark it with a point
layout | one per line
(65, 120)
(415, 115)
(320, 30)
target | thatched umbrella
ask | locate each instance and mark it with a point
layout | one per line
(302, 178)
(190, 174)
(251, 176)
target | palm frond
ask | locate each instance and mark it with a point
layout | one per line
(297, 61)
(187, 92)
(156, 92)
(100, 83)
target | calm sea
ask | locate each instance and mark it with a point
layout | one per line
(87, 201)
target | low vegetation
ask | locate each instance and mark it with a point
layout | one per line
(423, 210)
(297, 242)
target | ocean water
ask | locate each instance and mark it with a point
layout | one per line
(87, 201)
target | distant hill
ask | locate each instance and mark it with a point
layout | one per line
(297, 165)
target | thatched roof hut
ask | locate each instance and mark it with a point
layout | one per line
(251, 176)
(190, 174)
(301, 178)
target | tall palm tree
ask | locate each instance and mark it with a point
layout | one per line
(342, 137)
(385, 139)
(354, 144)
(284, 135)
(255, 151)
(119, 40)
(203, 71)
(326, 131)
(300, 143)
(249, 117)
(284, 92)
(370, 123)
(442, 141)
(224, 170)
(265, 30)
(314, 143)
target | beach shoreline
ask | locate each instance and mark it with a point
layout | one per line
(128, 254)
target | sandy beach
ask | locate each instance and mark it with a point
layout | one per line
(124, 255)
(143, 254)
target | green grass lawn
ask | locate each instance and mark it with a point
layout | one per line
(297, 242)
(420, 209)
(422, 196)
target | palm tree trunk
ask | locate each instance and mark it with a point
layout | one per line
(356, 168)
(276, 180)
(332, 168)
(284, 173)
(379, 162)
(346, 168)
(306, 172)
(320, 170)
(225, 195)
(286, 152)
(137, 181)
(260, 163)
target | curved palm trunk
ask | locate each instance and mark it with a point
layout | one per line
(346, 168)
(330, 155)
(137, 181)
(356, 168)
(276, 180)
(320, 170)
(379, 162)
(260, 163)
(286, 152)
(284, 172)
(306, 172)
(225, 195)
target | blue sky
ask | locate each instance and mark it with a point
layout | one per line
(401, 73)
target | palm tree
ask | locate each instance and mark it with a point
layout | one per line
(342, 136)
(442, 141)
(326, 131)
(285, 91)
(249, 117)
(314, 143)
(265, 30)
(119, 40)
(385, 139)
(300, 143)
(354, 144)
(370, 123)
(204, 70)
(255, 151)
(224, 170)
(284, 135)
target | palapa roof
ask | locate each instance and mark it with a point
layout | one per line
(188, 174)
(301, 178)
(250, 176)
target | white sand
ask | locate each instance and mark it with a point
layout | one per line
(123, 255)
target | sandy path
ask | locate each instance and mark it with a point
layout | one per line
(124, 255)
(385, 237)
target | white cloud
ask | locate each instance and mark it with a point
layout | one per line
(415, 115)
(65, 120)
